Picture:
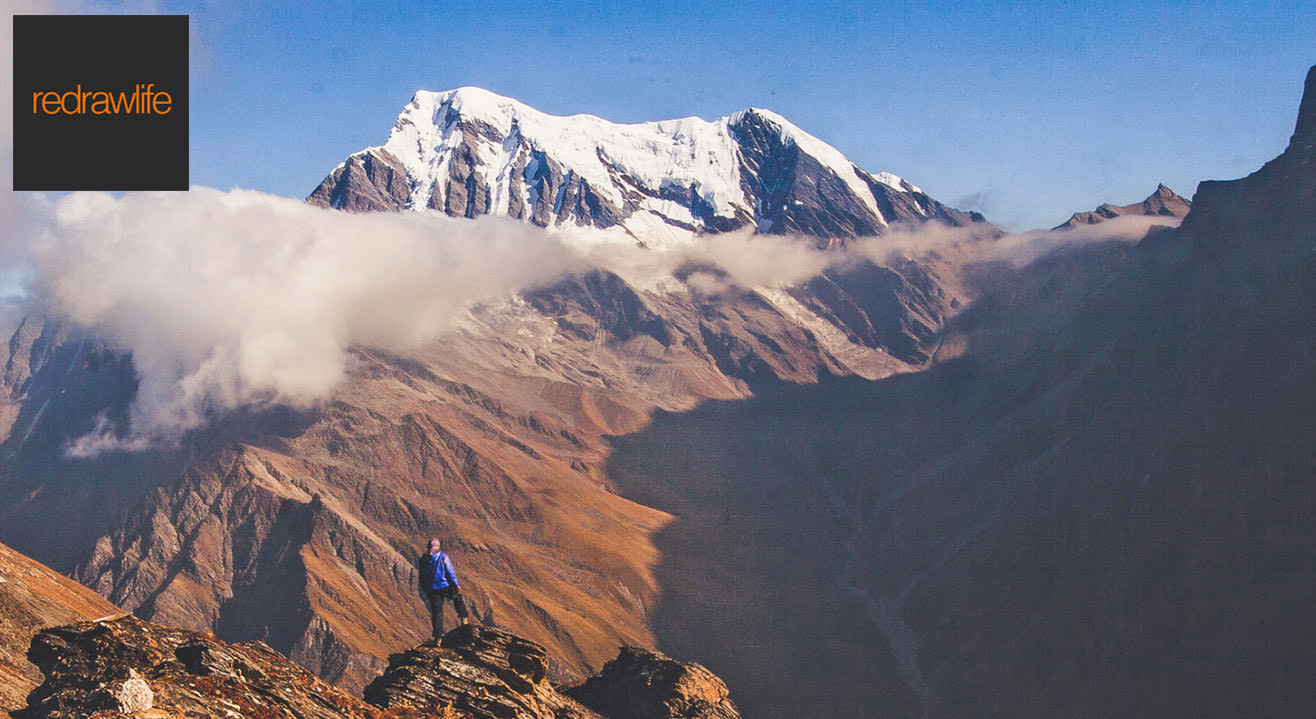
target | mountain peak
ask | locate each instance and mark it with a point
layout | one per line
(469, 98)
(469, 152)
(1304, 132)
(1268, 204)
(791, 133)
(468, 93)
(1161, 202)
(431, 108)
(476, 103)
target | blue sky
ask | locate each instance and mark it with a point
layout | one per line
(1026, 111)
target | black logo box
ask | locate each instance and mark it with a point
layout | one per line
(114, 53)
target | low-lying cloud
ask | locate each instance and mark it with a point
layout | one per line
(229, 299)
(1027, 247)
(244, 299)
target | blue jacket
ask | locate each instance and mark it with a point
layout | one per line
(436, 572)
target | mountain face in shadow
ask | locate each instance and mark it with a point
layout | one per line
(1099, 506)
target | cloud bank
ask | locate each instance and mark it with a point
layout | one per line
(229, 299)
(244, 299)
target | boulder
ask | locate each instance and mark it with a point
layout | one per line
(131, 667)
(479, 671)
(643, 684)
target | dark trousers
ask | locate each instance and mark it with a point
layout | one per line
(435, 599)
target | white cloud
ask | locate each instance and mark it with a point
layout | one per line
(240, 298)
(244, 299)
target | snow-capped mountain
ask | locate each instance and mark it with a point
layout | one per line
(470, 152)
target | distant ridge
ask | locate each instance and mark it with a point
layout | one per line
(1162, 202)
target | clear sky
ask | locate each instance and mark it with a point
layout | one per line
(1025, 111)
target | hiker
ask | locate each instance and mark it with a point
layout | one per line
(438, 581)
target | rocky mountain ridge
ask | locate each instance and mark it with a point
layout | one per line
(490, 674)
(127, 667)
(469, 152)
(1162, 202)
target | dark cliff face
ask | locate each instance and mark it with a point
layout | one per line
(1251, 218)
(792, 191)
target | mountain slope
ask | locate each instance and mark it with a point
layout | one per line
(1100, 506)
(1163, 202)
(468, 152)
(33, 597)
(299, 528)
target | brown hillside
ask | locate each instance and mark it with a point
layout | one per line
(33, 596)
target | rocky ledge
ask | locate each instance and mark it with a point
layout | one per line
(488, 673)
(640, 684)
(128, 667)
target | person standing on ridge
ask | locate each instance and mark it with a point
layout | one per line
(438, 582)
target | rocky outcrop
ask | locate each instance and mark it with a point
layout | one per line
(488, 673)
(129, 667)
(1163, 202)
(33, 596)
(372, 181)
(898, 309)
(643, 684)
(483, 672)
